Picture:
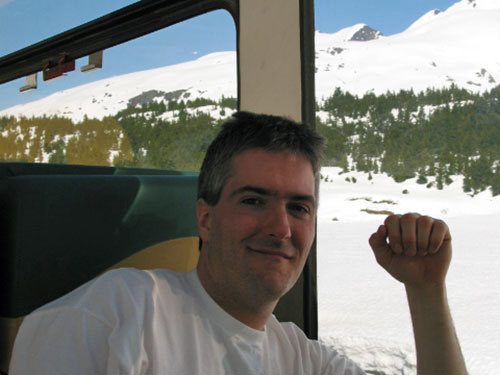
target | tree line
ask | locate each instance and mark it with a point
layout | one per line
(173, 135)
(439, 133)
(59, 140)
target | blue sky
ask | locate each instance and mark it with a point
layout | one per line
(25, 22)
(388, 16)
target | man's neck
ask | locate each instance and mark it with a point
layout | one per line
(249, 310)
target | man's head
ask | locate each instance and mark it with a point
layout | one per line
(254, 131)
(256, 211)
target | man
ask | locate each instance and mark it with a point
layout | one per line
(258, 196)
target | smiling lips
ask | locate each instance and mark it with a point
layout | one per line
(271, 252)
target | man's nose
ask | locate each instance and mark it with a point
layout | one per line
(278, 224)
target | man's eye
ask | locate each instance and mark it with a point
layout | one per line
(252, 201)
(299, 208)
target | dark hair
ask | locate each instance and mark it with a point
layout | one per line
(245, 131)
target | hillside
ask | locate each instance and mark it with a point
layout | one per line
(438, 50)
(456, 46)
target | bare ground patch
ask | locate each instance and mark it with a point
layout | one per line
(377, 212)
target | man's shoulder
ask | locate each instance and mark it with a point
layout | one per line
(129, 279)
(123, 286)
(288, 334)
(286, 328)
(314, 356)
(294, 339)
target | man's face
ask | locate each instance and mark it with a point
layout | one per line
(258, 236)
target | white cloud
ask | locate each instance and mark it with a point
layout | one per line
(5, 2)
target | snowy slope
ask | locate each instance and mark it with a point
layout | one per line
(457, 46)
(211, 76)
(363, 312)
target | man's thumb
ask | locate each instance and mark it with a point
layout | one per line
(379, 246)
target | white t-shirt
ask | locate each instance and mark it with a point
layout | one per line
(159, 322)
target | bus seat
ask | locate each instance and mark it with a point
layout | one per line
(179, 255)
(61, 226)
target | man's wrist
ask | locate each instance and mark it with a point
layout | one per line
(434, 290)
(426, 298)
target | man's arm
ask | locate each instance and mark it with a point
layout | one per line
(418, 254)
(63, 341)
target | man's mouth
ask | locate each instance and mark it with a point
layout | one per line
(272, 253)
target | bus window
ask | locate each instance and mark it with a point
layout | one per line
(36, 21)
(412, 126)
(156, 102)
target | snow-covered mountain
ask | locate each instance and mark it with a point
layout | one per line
(211, 76)
(457, 46)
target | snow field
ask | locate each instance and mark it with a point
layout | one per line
(363, 312)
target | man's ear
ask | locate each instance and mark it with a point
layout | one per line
(203, 214)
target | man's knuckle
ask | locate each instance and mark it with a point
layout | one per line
(426, 220)
(410, 216)
(440, 224)
(391, 219)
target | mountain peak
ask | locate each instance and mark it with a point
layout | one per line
(364, 34)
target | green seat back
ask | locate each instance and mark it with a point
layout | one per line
(60, 226)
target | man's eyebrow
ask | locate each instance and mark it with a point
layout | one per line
(268, 192)
(251, 189)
